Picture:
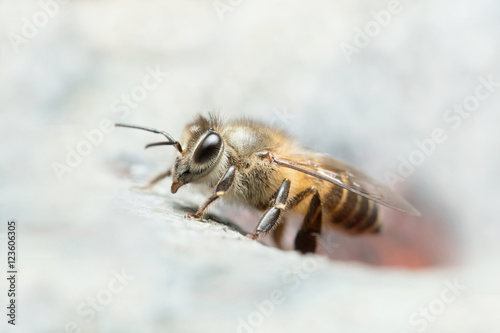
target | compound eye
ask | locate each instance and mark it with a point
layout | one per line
(208, 148)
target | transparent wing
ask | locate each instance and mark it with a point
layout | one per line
(344, 175)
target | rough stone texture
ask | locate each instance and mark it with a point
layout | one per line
(279, 61)
(206, 277)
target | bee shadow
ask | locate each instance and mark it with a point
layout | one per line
(209, 216)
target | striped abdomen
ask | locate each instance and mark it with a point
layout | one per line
(348, 211)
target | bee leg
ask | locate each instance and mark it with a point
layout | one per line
(278, 230)
(158, 178)
(278, 234)
(220, 189)
(305, 241)
(273, 214)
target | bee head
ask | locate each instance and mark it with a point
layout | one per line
(203, 149)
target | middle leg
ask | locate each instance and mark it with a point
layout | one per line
(281, 203)
(273, 214)
(278, 230)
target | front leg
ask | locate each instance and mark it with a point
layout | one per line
(220, 189)
(273, 214)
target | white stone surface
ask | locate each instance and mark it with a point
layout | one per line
(279, 61)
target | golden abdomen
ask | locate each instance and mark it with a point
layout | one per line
(347, 211)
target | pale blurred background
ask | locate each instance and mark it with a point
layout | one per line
(65, 67)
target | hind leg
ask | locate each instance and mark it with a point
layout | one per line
(305, 241)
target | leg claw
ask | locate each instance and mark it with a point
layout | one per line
(192, 216)
(252, 236)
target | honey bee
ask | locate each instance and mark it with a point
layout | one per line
(251, 163)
